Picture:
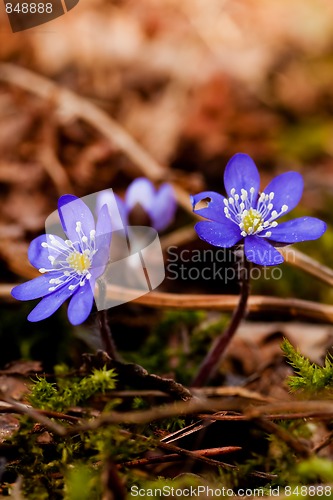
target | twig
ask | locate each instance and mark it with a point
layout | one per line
(193, 456)
(177, 409)
(307, 264)
(325, 442)
(277, 416)
(35, 415)
(136, 375)
(311, 407)
(174, 457)
(210, 461)
(207, 392)
(113, 486)
(10, 408)
(224, 303)
(231, 391)
(272, 428)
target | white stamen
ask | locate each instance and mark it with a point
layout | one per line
(252, 216)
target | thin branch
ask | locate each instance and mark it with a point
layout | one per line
(224, 303)
(311, 408)
(35, 415)
(177, 409)
(136, 375)
(302, 448)
(310, 266)
(325, 442)
(175, 457)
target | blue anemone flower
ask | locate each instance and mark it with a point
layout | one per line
(69, 267)
(158, 204)
(251, 216)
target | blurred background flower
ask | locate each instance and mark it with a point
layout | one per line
(143, 205)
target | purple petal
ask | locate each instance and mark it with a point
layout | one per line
(287, 189)
(241, 173)
(80, 305)
(49, 304)
(163, 210)
(140, 191)
(72, 210)
(225, 234)
(116, 206)
(301, 229)
(39, 256)
(36, 288)
(259, 251)
(215, 205)
(103, 241)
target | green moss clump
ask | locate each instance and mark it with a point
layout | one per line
(49, 396)
(310, 377)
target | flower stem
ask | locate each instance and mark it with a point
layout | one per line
(211, 362)
(106, 335)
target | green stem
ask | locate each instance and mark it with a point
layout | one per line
(211, 362)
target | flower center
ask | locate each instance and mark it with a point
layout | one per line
(252, 216)
(252, 221)
(71, 259)
(80, 262)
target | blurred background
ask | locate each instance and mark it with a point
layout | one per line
(193, 81)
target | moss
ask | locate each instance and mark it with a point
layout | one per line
(49, 396)
(310, 378)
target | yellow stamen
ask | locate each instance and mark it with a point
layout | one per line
(79, 262)
(252, 220)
